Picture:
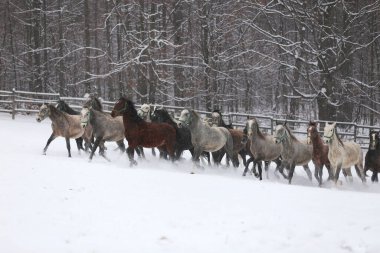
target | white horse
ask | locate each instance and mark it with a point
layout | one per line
(343, 155)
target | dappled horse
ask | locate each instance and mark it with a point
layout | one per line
(237, 136)
(64, 107)
(343, 155)
(204, 137)
(294, 153)
(183, 134)
(63, 124)
(104, 128)
(320, 152)
(372, 158)
(141, 133)
(262, 147)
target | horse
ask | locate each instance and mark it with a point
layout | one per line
(261, 147)
(63, 124)
(320, 152)
(343, 155)
(293, 152)
(104, 128)
(141, 133)
(372, 158)
(204, 137)
(183, 134)
(237, 136)
(87, 135)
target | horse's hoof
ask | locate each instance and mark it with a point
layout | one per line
(244, 174)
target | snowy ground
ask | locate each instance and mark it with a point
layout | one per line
(58, 204)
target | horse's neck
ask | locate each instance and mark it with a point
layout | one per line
(317, 143)
(147, 118)
(56, 115)
(130, 123)
(334, 145)
(196, 123)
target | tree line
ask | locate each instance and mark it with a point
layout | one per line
(289, 58)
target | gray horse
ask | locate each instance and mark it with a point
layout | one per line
(104, 128)
(262, 147)
(63, 124)
(204, 137)
(294, 153)
(343, 154)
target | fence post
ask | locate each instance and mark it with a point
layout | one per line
(271, 125)
(13, 103)
(355, 133)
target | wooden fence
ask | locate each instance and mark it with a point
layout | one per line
(26, 102)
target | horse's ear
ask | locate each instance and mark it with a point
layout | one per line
(286, 122)
(334, 124)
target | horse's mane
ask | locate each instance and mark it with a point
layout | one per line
(66, 108)
(94, 102)
(337, 136)
(166, 113)
(132, 110)
(260, 134)
(55, 111)
(292, 136)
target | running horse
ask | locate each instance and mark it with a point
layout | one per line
(141, 133)
(294, 153)
(372, 158)
(320, 152)
(63, 124)
(343, 155)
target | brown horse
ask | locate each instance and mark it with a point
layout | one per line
(320, 152)
(141, 133)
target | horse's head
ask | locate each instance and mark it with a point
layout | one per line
(251, 127)
(311, 131)
(185, 118)
(280, 133)
(328, 132)
(120, 107)
(373, 139)
(216, 118)
(144, 111)
(160, 115)
(43, 113)
(85, 116)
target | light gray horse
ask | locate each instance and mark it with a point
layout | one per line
(104, 128)
(204, 137)
(294, 153)
(343, 155)
(63, 124)
(262, 147)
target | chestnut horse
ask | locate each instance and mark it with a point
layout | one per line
(141, 133)
(320, 152)
(372, 158)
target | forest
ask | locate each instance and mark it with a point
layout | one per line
(302, 59)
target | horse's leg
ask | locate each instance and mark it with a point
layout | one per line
(308, 172)
(360, 171)
(259, 164)
(246, 166)
(207, 155)
(95, 146)
(349, 174)
(51, 138)
(267, 168)
(374, 176)
(79, 142)
(291, 172)
(131, 154)
(337, 172)
(68, 146)
(329, 170)
(121, 145)
(197, 153)
(153, 152)
(316, 170)
(320, 169)
(281, 169)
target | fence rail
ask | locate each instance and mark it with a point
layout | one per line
(26, 102)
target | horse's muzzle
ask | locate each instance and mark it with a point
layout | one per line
(179, 124)
(83, 125)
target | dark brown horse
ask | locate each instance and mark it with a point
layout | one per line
(320, 152)
(372, 158)
(141, 133)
